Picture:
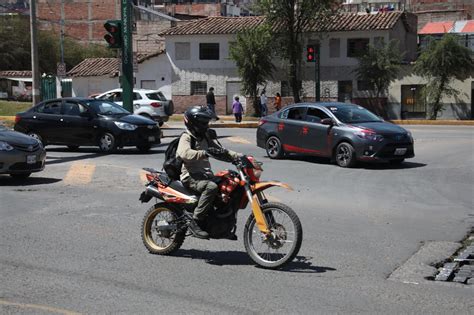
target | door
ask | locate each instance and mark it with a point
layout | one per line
(77, 124)
(413, 103)
(292, 129)
(45, 120)
(316, 135)
(48, 87)
(233, 90)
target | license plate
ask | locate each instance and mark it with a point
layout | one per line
(30, 159)
(151, 139)
(400, 151)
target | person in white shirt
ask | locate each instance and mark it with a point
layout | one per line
(263, 104)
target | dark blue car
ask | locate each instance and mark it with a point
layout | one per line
(344, 132)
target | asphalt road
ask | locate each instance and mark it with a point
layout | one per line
(70, 236)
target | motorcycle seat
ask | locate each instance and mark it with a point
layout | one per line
(177, 185)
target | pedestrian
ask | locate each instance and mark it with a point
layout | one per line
(211, 102)
(277, 102)
(237, 109)
(263, 103)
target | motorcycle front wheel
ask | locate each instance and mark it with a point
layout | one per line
(282, 245)
(157, 234)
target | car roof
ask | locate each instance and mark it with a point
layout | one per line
(324, 104)
(134, 90)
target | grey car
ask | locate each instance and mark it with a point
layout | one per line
(20, 155)
(344, 132)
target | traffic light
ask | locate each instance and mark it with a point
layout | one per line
(114, 33)
(310, 53)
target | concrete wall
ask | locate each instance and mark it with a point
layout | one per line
(85, 86)
(157, 69)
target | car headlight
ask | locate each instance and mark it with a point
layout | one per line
(410, 136)
(370, 136)
(125, 126)
(5, 146)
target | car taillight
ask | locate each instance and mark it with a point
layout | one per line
(17, 119)
(155, 104)
(261, 122)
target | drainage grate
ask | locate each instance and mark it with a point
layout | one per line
(459, 268)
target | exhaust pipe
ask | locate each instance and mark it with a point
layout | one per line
(152, 191)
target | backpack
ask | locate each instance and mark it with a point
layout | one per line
(172, 164)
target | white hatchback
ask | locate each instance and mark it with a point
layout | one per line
(149, 103)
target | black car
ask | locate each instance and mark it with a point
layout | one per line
(20, 155)
(78, 122)
(344, 132)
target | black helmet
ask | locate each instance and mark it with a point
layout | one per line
(197, 120)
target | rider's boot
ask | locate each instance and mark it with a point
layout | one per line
(196, 229)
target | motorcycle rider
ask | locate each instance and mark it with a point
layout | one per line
(196, 173)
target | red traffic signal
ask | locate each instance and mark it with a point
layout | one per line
(114, 33)
(310, 53)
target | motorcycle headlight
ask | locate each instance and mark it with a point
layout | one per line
(4, 146)
(125, 126)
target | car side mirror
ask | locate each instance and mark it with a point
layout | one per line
(327, 121)
(212, 134)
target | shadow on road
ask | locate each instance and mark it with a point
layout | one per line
(6, 180)
(301, 264)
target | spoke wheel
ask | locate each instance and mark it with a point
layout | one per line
(345, 155)
(282, 245)
(274, 148)
(107, 143)
(36, 136)
(157, 240)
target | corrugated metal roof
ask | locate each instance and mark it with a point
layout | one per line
(437, 28)
(15, 74)
(337, 23)
(469, 27)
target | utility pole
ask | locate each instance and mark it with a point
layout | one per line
(35, 92)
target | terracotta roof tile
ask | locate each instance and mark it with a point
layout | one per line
(337, 23)
(93, 67)
(17, 74)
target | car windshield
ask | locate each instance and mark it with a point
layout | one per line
(104, 107)
(158, 96)
(353, 114)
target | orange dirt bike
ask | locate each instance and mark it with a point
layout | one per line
(272, 234)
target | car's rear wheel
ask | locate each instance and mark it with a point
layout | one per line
(21, 176)
(107, 143)
(169, 108)
(36, 136)
(274, 148)
(345, 155)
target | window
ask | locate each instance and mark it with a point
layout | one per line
(148, 84)
(357, 46)
(136, 96)
(334, 48)
(158, 96)
(286, 89)
(412, 99)
(315, 115)
(182, 51)
(198, 88)
(364, 86)
(53, 108)
(209, 51)
(296, 113)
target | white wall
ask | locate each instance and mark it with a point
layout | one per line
(158, 69)
(85, 86)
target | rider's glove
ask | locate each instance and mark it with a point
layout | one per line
(216, 152)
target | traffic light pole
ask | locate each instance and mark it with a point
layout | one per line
(317, 75)
(127, 56)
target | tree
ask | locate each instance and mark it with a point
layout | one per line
(441, 62)
(379, 66)
(252, 54)
(15, 53)
(288, 18)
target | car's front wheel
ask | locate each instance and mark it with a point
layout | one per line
(107, 143)
(36, 136)
(345, 155)
(274, 148)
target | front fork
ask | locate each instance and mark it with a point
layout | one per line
(256, 202)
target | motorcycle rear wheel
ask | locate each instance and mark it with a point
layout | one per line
(158, 242)
(286, 230)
